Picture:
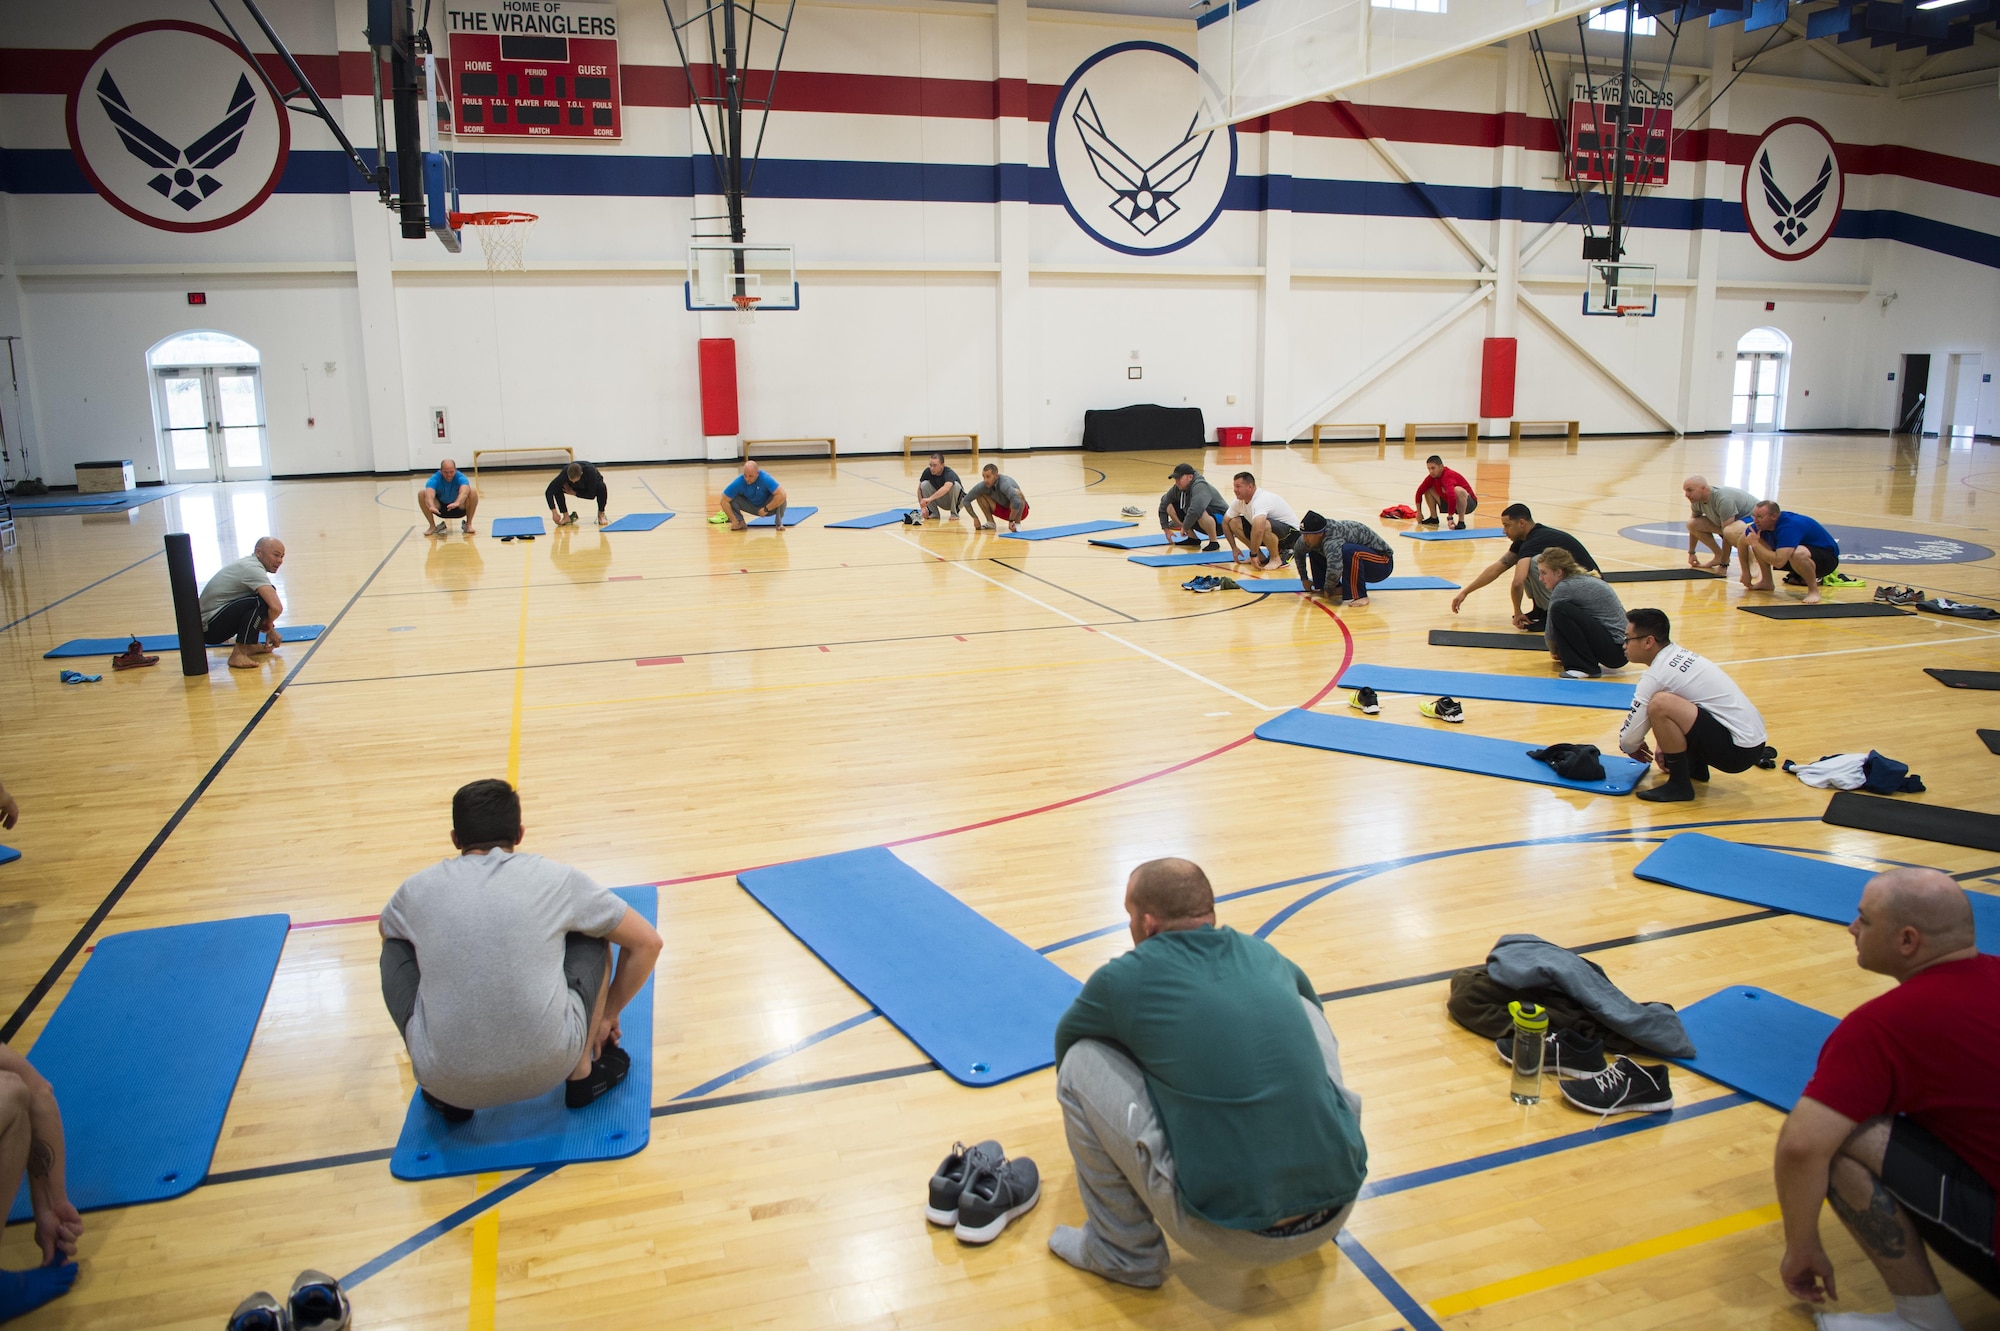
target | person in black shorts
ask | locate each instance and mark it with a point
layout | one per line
(1697, 716)
(579, 479)
(1529, 539)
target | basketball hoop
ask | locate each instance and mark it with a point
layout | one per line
(746, 310)
(1624, 310)
(503, 237)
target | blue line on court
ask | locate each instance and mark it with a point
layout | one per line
(651, 491)
(376, 1265)
(1385, 1284)
(81, 590)
(717, 1083)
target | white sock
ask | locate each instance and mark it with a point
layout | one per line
(1914, 1312)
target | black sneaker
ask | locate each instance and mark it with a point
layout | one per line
(450, 1113)
(1364, 700)
(1623, 1088)
(1430, 521)
(1211, 547)
(1444, 709)
(949, 1181)
(1565, 1053)
(1535, 624)
(610, 1068)
(318, 1303)
(996, 1192)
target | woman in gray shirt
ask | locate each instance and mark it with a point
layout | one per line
(1586, 625)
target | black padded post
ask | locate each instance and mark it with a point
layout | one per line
(187, 603)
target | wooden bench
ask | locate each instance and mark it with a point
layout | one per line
(832, 450)
(1467, 430)
(1381, 435)
(910, 439)
(1570, 429)
(569, 455)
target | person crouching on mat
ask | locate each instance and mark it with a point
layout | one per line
(754, 494)
(1699, 718)
(447, 494)
(239, 602)
(1444, 491)
(1586, 620)
(31, 1147)
(579, 479)
(496, 967)
(1262, 521)
(938, 488)
(999, 498)
(1791, 541)
(1352, 552)
(1192, 509)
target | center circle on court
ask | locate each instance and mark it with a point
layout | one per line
(1858, 545)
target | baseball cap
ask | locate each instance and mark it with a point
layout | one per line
(1183, 470)
(1312, 522)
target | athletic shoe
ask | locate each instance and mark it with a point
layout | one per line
(1565, 1053)
(949, 1180)
(1623, 1088)
(133, 657)
(1364, 700)
(1444, 709)
(1578, 674)
(437, 529)
(1211, 547)
(1131, 511)
(260, 1312)
(1535, 624)
(319, 1304)
(610, 1068)
(1202, 584)
(720, 518)
(1839, 579)
(1899, 595)
(1430, 521)
(449, 1113)
(996, 1192)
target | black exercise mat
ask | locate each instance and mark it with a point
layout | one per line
(1518, 642)
(1829, 610)
(1662, 575)
(1923, 822)
(1992, 738)
(1965, 679)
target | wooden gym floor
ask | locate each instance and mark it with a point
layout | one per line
(1024, 721)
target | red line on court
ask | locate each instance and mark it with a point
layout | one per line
(960, 637)
(826, 649)
(660, 660)
(327, 924)
(1346, 659)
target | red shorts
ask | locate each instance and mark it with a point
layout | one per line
(1009, 515)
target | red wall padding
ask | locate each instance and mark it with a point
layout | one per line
(718, 385)
(1496, 377)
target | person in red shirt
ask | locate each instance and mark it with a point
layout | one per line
(1444, 491)
(1899, 1127)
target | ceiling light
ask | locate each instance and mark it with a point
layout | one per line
(1939, 4)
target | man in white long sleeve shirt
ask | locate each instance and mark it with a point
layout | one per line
(1698, 717)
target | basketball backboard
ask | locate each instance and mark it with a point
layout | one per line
(719, 271)
(1621, 290)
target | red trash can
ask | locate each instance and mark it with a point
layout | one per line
(1233, 436)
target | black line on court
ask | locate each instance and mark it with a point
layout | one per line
(131, 875)
(1411, 982)
(1971, 874)
(1134, 619)
(780, 1092)
(81, 590)
(297, 1167)
(774, 647)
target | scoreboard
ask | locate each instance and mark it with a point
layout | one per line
(533, 69)
(1593, 132)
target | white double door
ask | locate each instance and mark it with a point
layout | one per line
(212, 423)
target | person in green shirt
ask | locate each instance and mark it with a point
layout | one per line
(1201, 1094)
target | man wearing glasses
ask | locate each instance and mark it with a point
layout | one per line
(1698, 717)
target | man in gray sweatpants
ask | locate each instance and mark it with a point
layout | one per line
(1201, 1094)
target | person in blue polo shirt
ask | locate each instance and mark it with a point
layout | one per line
(1789, 540)
(447, 494)
(754, 494)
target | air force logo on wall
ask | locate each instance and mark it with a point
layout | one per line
(175, 127)
(1792, 189)
(1132, 170)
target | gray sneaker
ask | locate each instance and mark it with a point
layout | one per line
(949, 1181)
(996, 1192)
(1623, 1088)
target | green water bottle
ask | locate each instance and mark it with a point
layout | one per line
(1531, 1030)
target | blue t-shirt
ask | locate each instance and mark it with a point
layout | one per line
(1797, 529)
(446, 490)
(757, 493)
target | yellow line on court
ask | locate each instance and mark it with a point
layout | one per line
(1549, 1277)
(485, 1261)
(520, 682)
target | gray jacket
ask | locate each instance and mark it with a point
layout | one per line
(1523, 961)
(1593, 596)
(1201, 497)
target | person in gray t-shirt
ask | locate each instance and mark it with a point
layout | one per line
(496, 967)
(240, 603)
(997, 497)
(1586, 620)
(1716, 512)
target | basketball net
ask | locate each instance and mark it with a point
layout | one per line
(503, 237)
(746, 310)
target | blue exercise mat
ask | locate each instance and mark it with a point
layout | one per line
(1753, 1041)
(1264, 586)
(1073, 529)
(8, 854)
(545, 1131)
(111, 502)
(1146, 542)
(794, 515)
(639, 521)
(979, 1001)
(518, 527)
(1182, 560)
(165, 642)
(1819, 889)
(144, 1053)
(873, 520)
(1446, 534)
(1440, 747)
(1495, 688)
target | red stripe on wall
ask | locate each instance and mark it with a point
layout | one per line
(54, 73)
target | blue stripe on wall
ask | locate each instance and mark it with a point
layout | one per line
(54, 171)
